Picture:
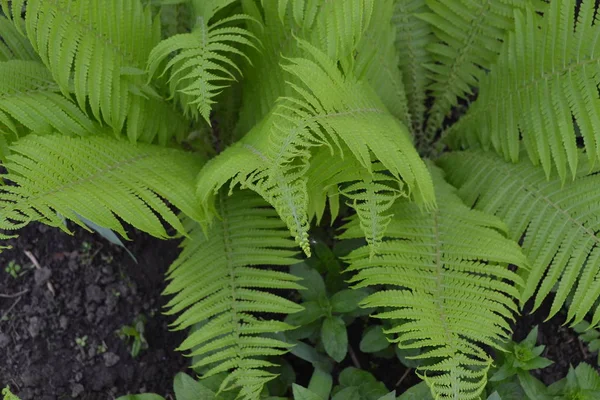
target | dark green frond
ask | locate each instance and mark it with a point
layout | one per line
(413, 37)
(545, 78)
(376, 60)
(95, 52)
(470, 36)
(220, 282)
(558, 224)
(30, 99)
(446, 277)
(100, 179)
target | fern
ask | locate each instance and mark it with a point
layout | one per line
(558, 224)
(413, 36)
(30, 99)
(544, 78)
(13, 45)
(272, 158)
(446, 277)
(470, 35)
(101, 60)
(216, 283)
(202, 64)
(97, 178)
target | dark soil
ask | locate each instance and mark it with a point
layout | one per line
(86, 289)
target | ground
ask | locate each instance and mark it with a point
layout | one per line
(58, 322)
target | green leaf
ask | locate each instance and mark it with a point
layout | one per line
(187, 388)
(335, 338)
(534, 389)
(494, 396)
(312, 312)
(311, 280)
(349, 393)
(374, 340)
(531, 338)
(347, 300)
(418, 392)
(390, 396)
(321, 383)
(302, 393)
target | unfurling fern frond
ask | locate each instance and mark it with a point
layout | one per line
(449, 291)
(217, 283)
(545, 77)
(203, 65)
(330, 110)
(413, 36)
(100, 179)
(93, 51)
(470, 36)
(30, 98)
(557, 223)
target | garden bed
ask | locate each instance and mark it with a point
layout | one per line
(58, 332)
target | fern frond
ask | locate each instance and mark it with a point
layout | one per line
(100, 179)
(545, 77)
(95, 52)
(413, 37)
(217, 284)
(29, 97)
(202, 65)
(557, 223)
(330, 110)
(376, 60)
(470, 36)
(447, 280)
(14, 46)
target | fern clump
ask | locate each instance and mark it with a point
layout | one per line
(245, 126)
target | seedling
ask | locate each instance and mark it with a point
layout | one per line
(135, 335)
(81, 341)
(101, 348)
(13, 269)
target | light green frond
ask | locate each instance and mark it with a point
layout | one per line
(30, 99)
(202, 66)
(447, 279)
(330, 110)
(469, 36)
(100, 179)
(371, 194)
(413, 37)
(97, 49)
(557, 223)
(14, 46)
(218, 284)
(545, 78)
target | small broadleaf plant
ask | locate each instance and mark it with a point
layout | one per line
(458, 140)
